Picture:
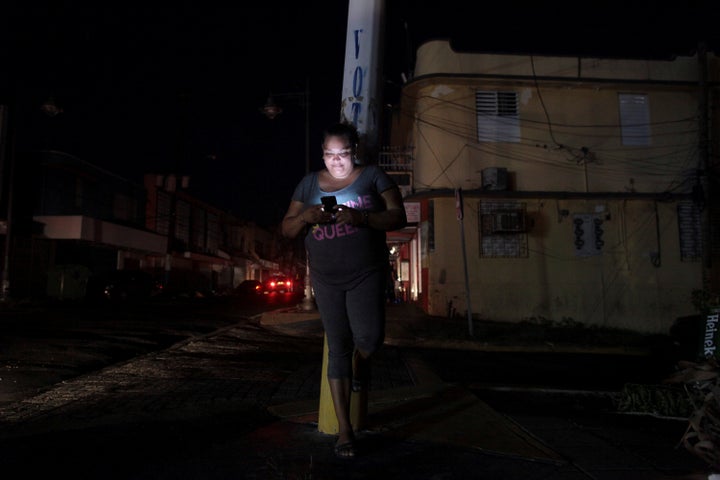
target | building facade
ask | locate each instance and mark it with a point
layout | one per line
(72, 220)
(561, 189)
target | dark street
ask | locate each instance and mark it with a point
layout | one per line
(45, 344)
(205, 389)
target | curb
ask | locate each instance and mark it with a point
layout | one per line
(399, 337)
(285, 316)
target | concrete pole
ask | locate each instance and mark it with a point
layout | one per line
(360, 106)
(327, 420)
(361, 102)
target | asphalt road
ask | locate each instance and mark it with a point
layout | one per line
(199, 408)
(43, 345)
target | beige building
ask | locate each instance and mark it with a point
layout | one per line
(582, 182)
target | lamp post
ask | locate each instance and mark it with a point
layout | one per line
(272, 110)
(6, 181)
(8, 140)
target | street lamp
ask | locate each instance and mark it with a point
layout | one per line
(8, 140)
(272, 110)
(50, 108)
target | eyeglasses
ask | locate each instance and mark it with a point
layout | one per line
(340, 153)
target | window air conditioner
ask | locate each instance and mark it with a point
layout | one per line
(507, 221)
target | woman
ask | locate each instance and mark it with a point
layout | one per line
(348, 258)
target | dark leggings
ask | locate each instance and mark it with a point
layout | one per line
(353, 315)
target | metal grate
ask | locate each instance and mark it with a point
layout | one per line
(499, 236)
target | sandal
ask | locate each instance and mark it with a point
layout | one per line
(346, 449)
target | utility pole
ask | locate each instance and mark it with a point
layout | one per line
(459, 208)
(361, 107)
(361, 102)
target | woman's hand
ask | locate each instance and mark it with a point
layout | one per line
(393, 217)
(348, 215)
(316, 214)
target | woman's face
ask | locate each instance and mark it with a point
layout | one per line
(338, 157)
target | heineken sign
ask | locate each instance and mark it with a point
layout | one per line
(709, 340)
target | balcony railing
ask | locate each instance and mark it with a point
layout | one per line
(396, 159)
(398, 162)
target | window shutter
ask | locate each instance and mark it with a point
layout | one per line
(497, 116)
(634, 119)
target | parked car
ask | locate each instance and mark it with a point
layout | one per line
(279, 284)
(248, 288)
(123, 285)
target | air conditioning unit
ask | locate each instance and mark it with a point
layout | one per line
(494, 178)
(506, 221)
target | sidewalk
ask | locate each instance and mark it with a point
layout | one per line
(531, 445)
(408, 325)
(239, 403)
(428, 410)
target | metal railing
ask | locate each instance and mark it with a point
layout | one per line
(396, 158)
(398, 162)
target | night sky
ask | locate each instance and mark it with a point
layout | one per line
(155, 89)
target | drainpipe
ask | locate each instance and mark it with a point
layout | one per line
(708, 281)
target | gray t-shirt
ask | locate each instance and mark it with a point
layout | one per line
(340, 254)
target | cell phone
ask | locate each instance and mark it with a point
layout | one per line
(328, 202)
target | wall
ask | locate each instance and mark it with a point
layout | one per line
(570, 160)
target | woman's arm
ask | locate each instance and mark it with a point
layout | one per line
(293, 222)
(393, 217)
(298, 217)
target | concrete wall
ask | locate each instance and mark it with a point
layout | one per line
(570, 160)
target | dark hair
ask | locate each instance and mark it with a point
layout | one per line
(343, 130)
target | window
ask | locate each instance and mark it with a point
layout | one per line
(497, 116)
(198, 229)
(634, 119)
(162, 218)
(182, 222)
(588, 230)
(213, 233)
(503, 229)
(503, 221)
(690, 232)
(124, 207)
